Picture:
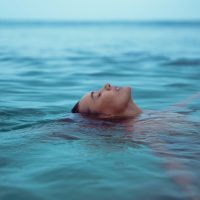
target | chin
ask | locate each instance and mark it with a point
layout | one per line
(125, 94)
(128, 91)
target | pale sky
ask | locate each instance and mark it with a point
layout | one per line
(100, 9)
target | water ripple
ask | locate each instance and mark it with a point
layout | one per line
(46, 68)
(188, 62)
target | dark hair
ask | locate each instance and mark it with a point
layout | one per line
(75, 109)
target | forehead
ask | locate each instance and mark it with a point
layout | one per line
(85, 101)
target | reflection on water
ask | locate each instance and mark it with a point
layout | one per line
(48, 153)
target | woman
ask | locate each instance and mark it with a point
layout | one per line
(109, 101)
(112, 101)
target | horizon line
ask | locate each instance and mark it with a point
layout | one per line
(78, 23)
(98, 20)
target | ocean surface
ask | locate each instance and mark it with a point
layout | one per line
(46, 152)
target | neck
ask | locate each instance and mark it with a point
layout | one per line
(132, 109)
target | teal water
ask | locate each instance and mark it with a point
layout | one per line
(48, 153)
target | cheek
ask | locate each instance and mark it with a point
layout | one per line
(112, 102)
(104, 104)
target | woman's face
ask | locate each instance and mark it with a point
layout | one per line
(108, 100)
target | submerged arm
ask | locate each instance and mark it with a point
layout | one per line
(184, 103)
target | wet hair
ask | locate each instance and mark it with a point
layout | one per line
(75, 109)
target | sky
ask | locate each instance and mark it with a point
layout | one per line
(100, 10)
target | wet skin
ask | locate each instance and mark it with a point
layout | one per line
(109, 101)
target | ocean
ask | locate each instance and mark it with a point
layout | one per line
(46, 152)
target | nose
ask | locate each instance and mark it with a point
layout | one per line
(107, 86)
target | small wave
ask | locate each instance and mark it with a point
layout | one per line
(79, 58)
(184, 62)
(13, 122)
(22, 59)
(21, 112)
(62, 136)
(123, 58)
(110, 74)
(16, 192)
(144, 56)
(80, 52)
(18, 126)
(13, 119)
(178, 85)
